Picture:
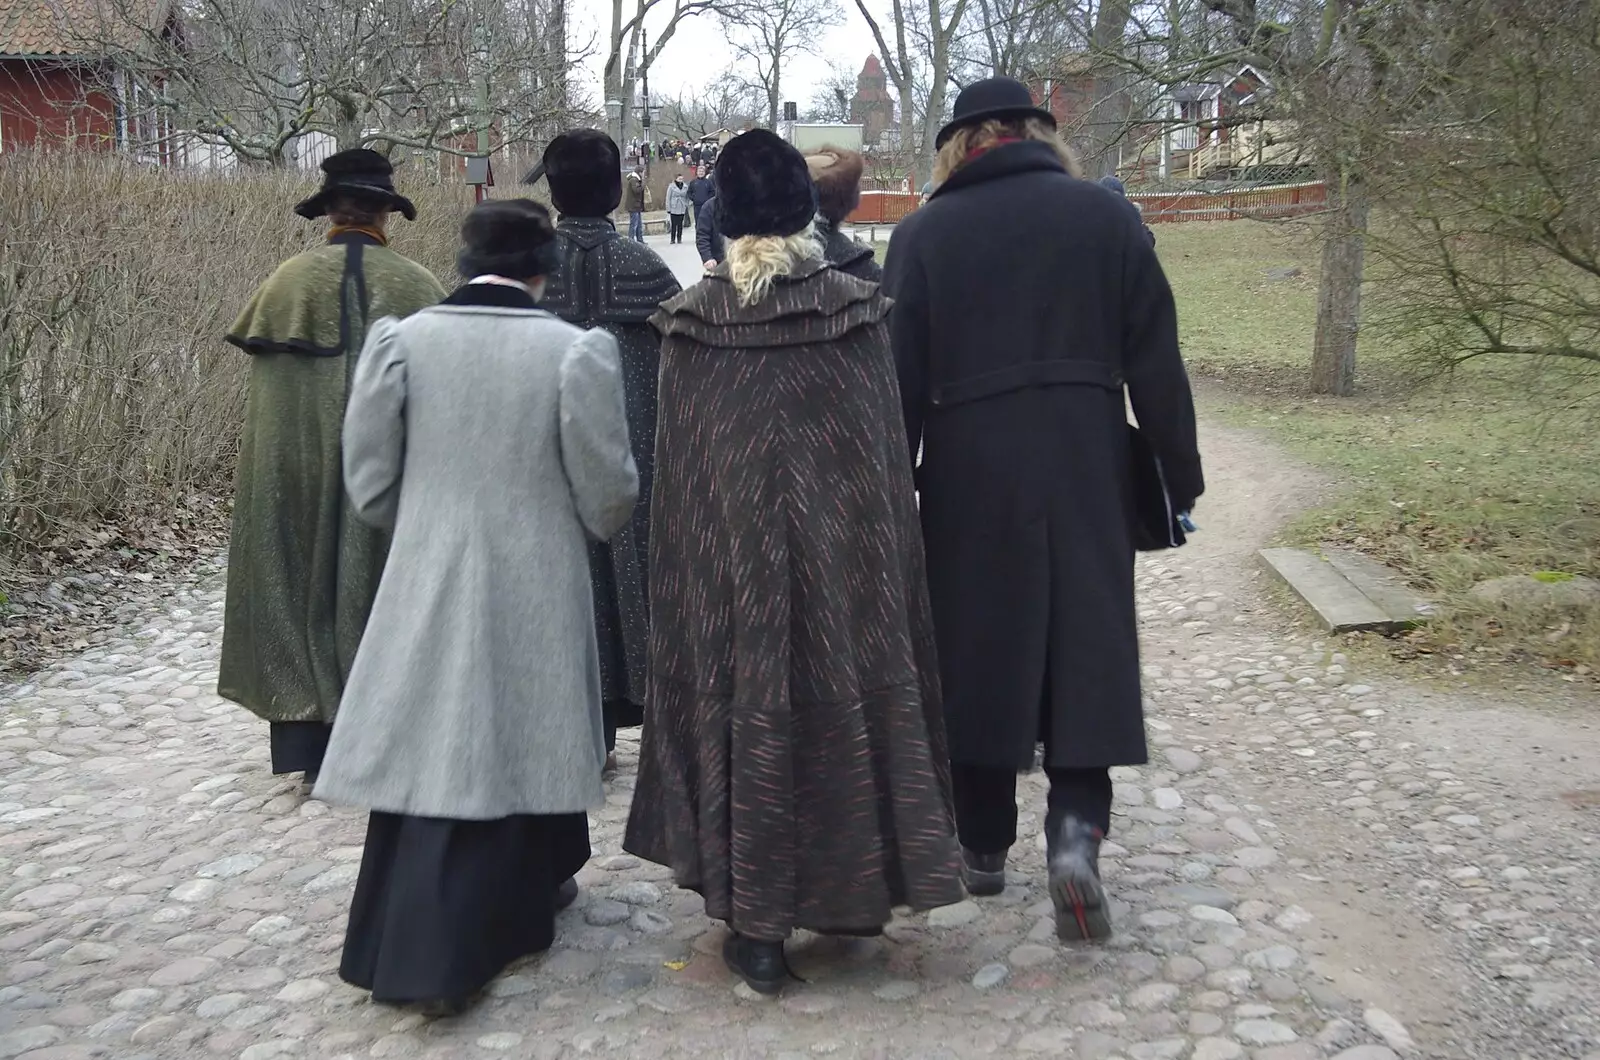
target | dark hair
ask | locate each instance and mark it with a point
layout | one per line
(354, 209)
(514, 238)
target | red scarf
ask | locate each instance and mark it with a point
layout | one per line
(978, 152)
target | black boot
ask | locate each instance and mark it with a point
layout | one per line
(984, 874)
(1074, 861)
(759, 964)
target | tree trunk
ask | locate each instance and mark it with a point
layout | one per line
(1106, 110)
(908, 136)
(1333, 358)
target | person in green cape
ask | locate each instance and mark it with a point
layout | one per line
(302, 569)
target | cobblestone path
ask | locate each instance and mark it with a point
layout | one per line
(1299, 874)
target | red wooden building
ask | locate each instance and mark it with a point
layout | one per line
(60, 88)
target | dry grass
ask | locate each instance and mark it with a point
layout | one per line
(1451, 479)
(118, 398)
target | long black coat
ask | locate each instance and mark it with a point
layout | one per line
(609, 282)
(707, 236)
(1026, 300)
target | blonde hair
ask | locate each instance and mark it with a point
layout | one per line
(754, 262)
(957, 150)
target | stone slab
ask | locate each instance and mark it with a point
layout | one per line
(1338, 604)
(1380, 585)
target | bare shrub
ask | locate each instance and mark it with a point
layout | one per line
(118, 397)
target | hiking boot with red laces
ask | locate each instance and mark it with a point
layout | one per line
(1082, 913)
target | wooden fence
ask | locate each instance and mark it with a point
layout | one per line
(1277, 201)
(1283, 200)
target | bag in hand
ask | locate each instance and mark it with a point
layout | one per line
(1156, 525)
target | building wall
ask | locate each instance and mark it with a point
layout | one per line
(51, 103)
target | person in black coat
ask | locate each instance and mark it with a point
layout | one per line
(700, 192)
(707, 239)
(605, 281)
(1027, 302)
(837, 175)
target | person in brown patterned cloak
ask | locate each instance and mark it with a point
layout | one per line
(793, 768)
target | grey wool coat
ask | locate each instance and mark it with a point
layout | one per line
(493, 438)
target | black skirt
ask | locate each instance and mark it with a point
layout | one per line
(298, 746)
(443, 906)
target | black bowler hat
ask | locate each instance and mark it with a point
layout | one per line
(357, 171)
(763, 187)
(995, 98)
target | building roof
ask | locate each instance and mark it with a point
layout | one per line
(69, 28)
(873, 68)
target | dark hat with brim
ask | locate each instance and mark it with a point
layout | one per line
(359, 172)
(763, 187)
(994, 99)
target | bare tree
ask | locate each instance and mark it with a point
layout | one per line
(925, 37)
(833, 95)
(727, 102)
(251, 77)
(629, 55)
(768, 34)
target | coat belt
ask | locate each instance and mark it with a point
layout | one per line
(1023, 377)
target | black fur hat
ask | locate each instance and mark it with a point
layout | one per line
(514, 238)
(763, 187)
(361, 172)
(584, 168)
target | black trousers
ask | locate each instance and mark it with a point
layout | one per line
(677, 225)
(986, 803)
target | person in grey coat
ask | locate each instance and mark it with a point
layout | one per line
(677, 208)
(491, 436)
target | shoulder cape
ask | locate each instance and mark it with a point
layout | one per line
(302, 308)
(605, 279)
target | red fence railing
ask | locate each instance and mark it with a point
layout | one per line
(1277, 201)
(1283, 200)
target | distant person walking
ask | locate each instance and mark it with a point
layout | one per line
(700, 193)
(635, 197)
(708, 237)
(677, 208)
(1028, 306)
(303, 569)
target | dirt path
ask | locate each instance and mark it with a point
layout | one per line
(1447, 847)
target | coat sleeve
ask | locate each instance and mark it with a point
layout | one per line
(705, 229)
(1158, 385)
(906, 285)
(375, 426)
(594, 435)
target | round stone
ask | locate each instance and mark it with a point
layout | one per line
(606, 913)
(195, 891)
(953, 916)
(221, 1005)
(1217, 1049)
(135, 999)
(1183, 760)
(1030, 955)
(637, 892)
(303, 990)
(990, 976)
(501, 1042)
(1183, 969)
(182, 973)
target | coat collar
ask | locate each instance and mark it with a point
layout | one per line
(1006, 161)
(588, 232)
(491, 296)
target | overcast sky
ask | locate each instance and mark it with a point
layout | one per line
(699, 50)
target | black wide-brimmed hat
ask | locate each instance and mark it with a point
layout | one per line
(997, 98)
(584, 169)
(514, 238)
(357, 171)
(763, 187)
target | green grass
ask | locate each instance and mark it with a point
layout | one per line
(1451, 479)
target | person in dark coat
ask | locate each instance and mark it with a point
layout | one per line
(793, 770)
(700, 192)
(1112, 184)
(605, 281)
(837, 174)
(1027, 303)
(304, 569)
(707, 237)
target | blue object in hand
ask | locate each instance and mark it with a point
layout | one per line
(1187, 523)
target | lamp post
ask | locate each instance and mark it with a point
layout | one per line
(649, 146)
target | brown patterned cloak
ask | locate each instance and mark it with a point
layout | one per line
(793, 768)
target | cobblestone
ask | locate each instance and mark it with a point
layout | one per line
(165, 896)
